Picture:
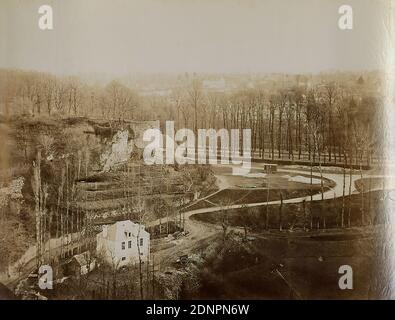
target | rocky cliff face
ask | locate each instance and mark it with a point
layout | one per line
(127, 138)
(117, 152)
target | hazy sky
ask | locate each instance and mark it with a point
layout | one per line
(120, 36)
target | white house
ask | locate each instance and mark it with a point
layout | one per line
(121, 243)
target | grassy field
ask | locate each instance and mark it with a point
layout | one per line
(302, 260)
(236, 196)
(312, 215)
(288, 268)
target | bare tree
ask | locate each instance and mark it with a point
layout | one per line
(48, 92)
(195, 96)
(361, 137)
(139, 209)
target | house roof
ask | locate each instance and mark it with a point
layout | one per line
(116, 231)
(82, 258)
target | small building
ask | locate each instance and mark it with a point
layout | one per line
(123, 242)
(80, 264)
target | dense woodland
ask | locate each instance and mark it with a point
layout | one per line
(335, 117)
(321, 119)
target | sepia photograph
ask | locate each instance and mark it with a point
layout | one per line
(169, 150)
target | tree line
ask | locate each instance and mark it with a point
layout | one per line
(328, 121)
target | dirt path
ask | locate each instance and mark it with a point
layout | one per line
(27, 263)
(200, 233)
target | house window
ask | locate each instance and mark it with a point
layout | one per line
(130, 234)
(129, 244)
(141, 242)
(123, 258)
(123, 245)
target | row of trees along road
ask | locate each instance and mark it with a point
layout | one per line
(329, 122)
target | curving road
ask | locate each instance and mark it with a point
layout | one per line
(201, 233)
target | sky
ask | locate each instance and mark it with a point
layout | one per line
(120, 37)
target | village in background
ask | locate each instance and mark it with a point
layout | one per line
(76, 195)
